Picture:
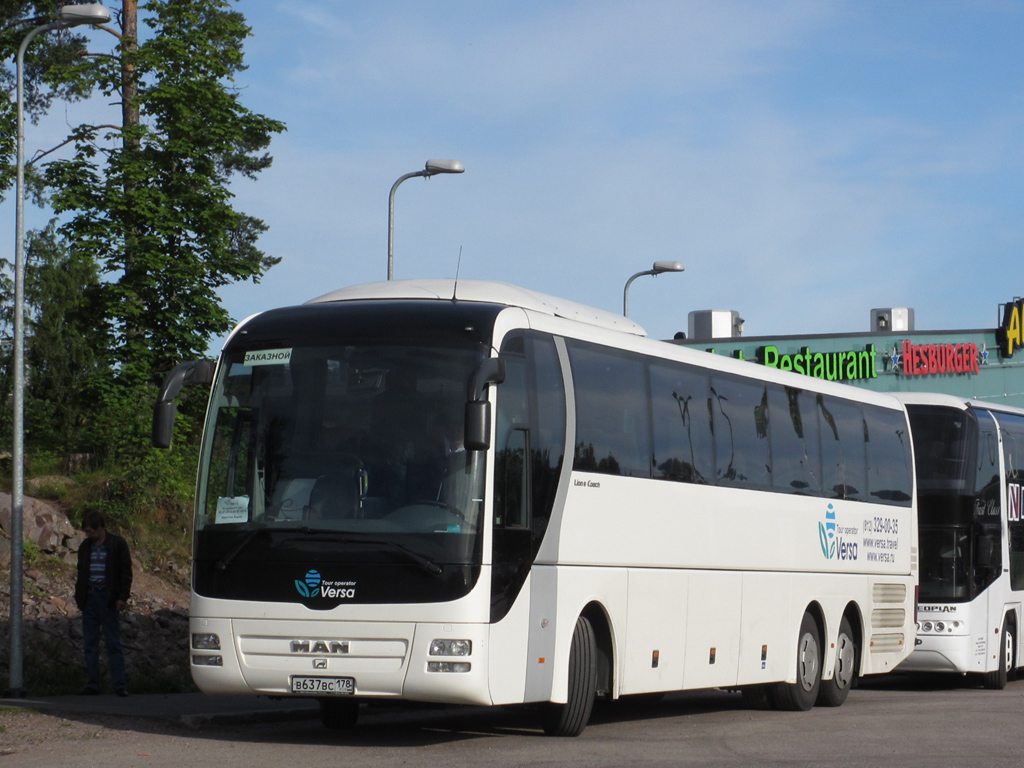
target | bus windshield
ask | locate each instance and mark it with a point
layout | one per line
(353, 450)
(957, 503)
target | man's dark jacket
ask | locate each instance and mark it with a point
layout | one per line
(119, 571)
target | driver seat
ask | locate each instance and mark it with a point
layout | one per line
(338, 495)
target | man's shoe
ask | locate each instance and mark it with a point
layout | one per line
(87, 691)
(122, 693)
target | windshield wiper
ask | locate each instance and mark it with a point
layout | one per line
(225, 561)
(426, 563)
(353, 537)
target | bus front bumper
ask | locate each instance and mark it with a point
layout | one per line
(445, 663)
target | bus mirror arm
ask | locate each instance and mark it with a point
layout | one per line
(193, 372)
(478, 410)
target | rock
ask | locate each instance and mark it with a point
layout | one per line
(42, 522)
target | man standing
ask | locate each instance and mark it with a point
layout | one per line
(101, 592)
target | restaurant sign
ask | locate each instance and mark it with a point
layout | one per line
(912, 359)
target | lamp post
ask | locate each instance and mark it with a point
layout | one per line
(67, 16)
(432, 168)
(659, 267)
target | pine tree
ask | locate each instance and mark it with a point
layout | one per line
(146, 198)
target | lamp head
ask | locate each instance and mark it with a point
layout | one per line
(666, 266)
(87, 13)
(434, 167)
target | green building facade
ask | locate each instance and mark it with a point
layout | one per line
(978, 364)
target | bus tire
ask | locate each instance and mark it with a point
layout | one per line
(339, 714)
(571, 718)
(801, 695)
(996, 679)
(833, 693)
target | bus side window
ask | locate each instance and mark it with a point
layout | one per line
(512, 499)
(740, 425)
(890, 473)
(1013, 451)
(511, 503)
(612, 419)
(796, 447)
(843, 448)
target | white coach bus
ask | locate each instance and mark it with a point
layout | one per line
(478, 494)
(970, 470)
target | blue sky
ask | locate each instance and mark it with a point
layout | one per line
(806, 161)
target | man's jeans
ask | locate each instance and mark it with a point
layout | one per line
(96, 615)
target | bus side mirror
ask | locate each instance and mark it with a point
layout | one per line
(194, 372)
(477, 435)
(478, 426)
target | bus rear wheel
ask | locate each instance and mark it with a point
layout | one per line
(834, 692)
(996, 679)
(339, 714)
(801, 695)
(571, 718)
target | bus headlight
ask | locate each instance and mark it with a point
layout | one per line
(926, 627)
(207, 661)
(451, 648)
(447, 666)
(205, 642)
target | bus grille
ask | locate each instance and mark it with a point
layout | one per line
(889, 593)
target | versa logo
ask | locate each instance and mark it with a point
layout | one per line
(833, 546)
(827, 533)
(313, 585)
(308, 588)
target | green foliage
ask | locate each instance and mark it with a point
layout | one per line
(151, 204)
(31, 552)
(141, 482)
(125, 286)
(65, 354)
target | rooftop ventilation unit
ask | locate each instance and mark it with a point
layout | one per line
(892, 320)
(714, 324)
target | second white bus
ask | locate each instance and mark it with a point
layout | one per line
(970, 471)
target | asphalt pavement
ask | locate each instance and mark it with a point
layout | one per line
(193, 709)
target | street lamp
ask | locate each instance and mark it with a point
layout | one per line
(67, 16)
(659, 267)
(432, 168)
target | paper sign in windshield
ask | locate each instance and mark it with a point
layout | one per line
(232, 509)
(268, 357)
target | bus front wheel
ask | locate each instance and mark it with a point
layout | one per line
(996, 679)
(801, 695)
(571, 718)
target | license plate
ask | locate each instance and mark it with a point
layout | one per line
(331, 686)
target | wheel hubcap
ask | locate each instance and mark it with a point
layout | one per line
(844, 662)
(808, 661)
